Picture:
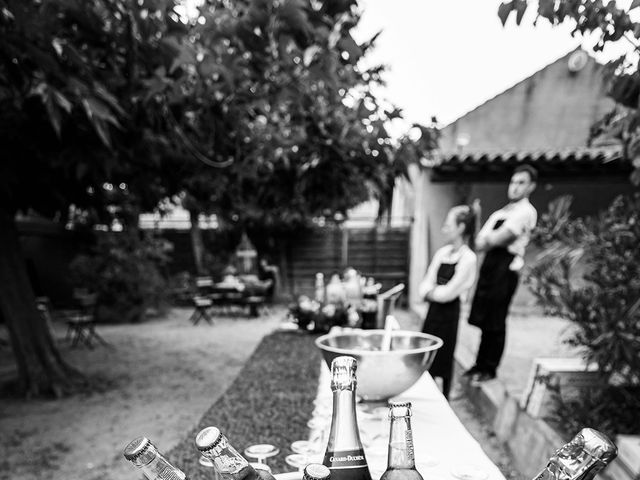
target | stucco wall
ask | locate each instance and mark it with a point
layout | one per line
(432, 202)
(552, 109)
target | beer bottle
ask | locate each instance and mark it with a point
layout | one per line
(580, 459)
(344, 455)
(144, 455)
(316, 471)
(401, 463)
(228, 463)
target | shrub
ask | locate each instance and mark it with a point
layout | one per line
(126, 273)
(612, 410)
(589, 273)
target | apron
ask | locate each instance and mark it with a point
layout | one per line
(442, 321)
(495, 288)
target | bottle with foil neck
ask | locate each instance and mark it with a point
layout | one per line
(401, 462)
(344, 455)
(144, 455)
(228, 463)
(580, 459)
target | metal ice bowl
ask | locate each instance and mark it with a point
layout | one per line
(382, 375)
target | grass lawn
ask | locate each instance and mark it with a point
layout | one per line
(270, 401)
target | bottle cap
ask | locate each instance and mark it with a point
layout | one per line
(343, 372)
(316, 471)
(400, 409)
(208, 438)
(136, 447)
(584, 456)
(598, 445)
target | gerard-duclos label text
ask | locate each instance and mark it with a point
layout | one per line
(345, 459)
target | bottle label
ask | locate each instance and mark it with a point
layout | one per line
(408, 436)
(345, 459)
(167, 472)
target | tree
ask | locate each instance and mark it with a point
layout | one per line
(294, 118)
(75, 122)
(255, 109)
(612, 24)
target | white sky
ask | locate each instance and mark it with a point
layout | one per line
(446, 57)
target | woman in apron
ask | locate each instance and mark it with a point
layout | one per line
(449, 276)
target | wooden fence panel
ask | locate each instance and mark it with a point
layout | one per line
(382, 253)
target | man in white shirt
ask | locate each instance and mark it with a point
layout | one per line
(503, 238)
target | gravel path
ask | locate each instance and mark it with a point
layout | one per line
(158, 382)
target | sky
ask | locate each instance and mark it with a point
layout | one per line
(446, 57)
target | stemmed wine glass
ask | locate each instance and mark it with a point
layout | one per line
(297, 461)
(260, 452)
(310, 451)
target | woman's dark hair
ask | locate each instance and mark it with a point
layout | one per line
(465, 215)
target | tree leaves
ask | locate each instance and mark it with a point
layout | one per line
(292, 18)
(612, 23)
(310, 54)
(504, 10)
(261, 91)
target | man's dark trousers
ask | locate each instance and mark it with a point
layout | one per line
(490, 306)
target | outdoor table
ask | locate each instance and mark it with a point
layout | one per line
(249, 294)
(444, 449)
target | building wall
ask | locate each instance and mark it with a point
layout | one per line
(552, 109)
(432, 201)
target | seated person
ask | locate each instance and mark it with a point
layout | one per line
(267, 271)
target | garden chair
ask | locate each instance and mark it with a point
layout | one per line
(202, 300)
(202, 305)
(81, 323)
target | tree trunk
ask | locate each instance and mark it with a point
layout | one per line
(41, 369)
(284, 267)
(197, 244)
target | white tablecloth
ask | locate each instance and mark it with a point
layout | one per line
(444, 449)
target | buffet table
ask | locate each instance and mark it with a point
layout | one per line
(444, 449)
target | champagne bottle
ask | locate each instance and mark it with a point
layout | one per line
(580, 459)
(228, 463)
(144, 455)
(401, 463)
(316, 471)
(344, 455)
